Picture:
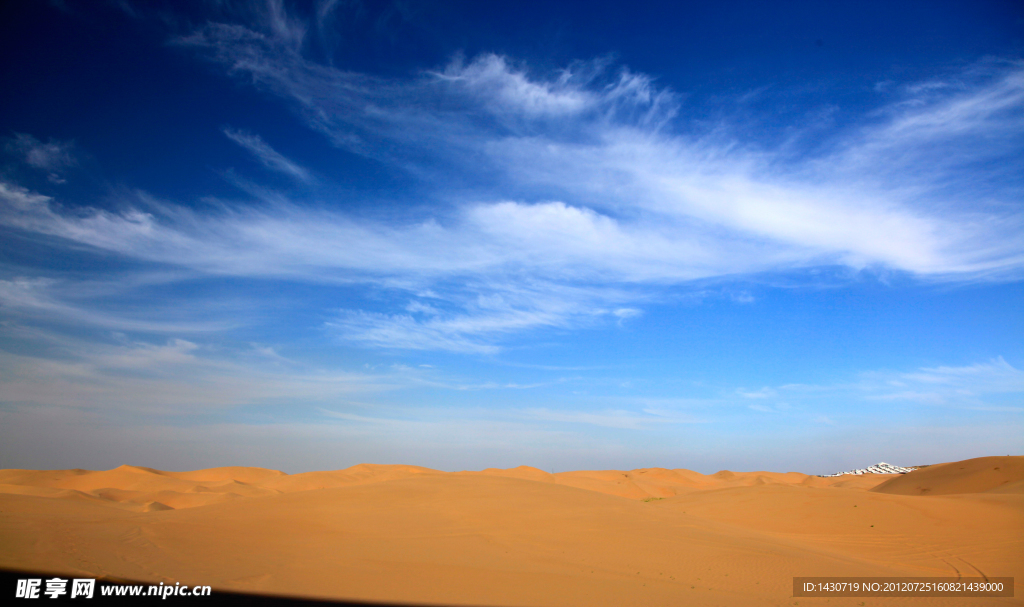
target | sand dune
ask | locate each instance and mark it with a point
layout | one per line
(979, 475)
(136, 486)
(520, 536)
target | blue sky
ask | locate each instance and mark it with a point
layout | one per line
(461, 235)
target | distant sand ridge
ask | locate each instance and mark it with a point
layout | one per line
(520, 536)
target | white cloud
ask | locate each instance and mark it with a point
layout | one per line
(995, 385)
(594, 183)
(506, 91)
(996, 375)
(50, 300)
(613, 152)
(267, 155)
(625, 313)
(282, 26)
(175, 377)
(616, 418)
(765, 392)
(970, 386)
(402, 331)
(969, 112)
(496, 311)
(53, 157)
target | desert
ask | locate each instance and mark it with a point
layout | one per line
(521, 536)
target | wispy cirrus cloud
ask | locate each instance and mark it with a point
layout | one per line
(879, 194)
(595, 193)
(970, 386)
(53, 157)
(613, 418)
(993, 385)
(765, 392)
(271, 158)
(175, 377)
(60, 302)
(478, 323)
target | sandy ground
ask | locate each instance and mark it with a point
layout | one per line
(520, 536)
